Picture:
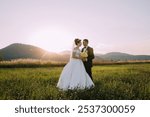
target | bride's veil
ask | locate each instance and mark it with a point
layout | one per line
(73, 46)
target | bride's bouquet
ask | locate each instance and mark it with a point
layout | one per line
(84, 55)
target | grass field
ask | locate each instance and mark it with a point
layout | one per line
(130, 81)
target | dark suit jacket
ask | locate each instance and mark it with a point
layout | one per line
(90, 56)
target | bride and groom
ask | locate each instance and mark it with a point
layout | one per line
(77, 73)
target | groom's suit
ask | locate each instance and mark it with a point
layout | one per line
(88, 63)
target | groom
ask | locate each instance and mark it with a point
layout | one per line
(88, 61)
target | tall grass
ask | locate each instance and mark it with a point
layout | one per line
(29, 63)
(131, 81)
(34, 63)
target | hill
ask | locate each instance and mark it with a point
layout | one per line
(118, 56)
(23, 51)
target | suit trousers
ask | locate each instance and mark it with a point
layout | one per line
(88, 69)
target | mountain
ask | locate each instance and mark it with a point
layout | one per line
(66, 52)
(118, 56)
(17, 51)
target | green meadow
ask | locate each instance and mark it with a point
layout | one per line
(112, 82)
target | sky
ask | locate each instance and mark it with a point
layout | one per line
(110, 25)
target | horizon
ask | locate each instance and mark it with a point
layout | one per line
(110, 26)
(59, 52)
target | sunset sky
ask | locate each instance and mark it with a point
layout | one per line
(110, 25)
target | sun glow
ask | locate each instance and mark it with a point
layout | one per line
(52, 39)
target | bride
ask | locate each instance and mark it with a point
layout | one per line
(74, 75)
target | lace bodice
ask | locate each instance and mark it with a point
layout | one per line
(76, 52)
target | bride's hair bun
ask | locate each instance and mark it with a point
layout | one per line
(77, 41)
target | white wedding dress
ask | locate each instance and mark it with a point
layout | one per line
(74, 75)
